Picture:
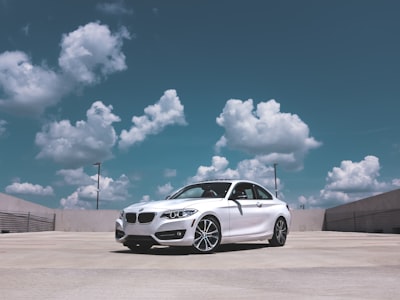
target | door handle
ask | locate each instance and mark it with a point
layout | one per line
(259, 204)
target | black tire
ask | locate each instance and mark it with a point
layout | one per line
(280, 233)
(207, 236)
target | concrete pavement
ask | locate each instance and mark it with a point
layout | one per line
(312, 265)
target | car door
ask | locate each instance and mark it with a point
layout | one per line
(248, 215)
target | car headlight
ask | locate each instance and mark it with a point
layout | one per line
(178, 213)
(121, 215)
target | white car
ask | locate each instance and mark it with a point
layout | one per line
(204, 215)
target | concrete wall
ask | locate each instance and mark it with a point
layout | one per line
(307, 220)
(380, 213)
(86, 220)
(104, 220)
(13, 204)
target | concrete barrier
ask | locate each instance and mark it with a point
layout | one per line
(104, 220)
(86, 220)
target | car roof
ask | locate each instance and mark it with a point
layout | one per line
(227, 180)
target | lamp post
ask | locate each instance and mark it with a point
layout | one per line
(98, 183)
(276, 186)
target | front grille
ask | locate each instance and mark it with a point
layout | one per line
(146, 217)
(130, 217)
(138, 239)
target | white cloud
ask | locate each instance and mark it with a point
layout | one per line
(218, 169)
(350, 182)
(29, 188)
(3, 130)
(254, 169)
(27, 89)
(168, 173)
(75, 176)
(167, 111)
(114, 8)
(354, 177)
(73, 202)
(165, 190)
(92, 48)
(86, 193)
(113, 189)
(251, 169)
(145, 198)
(396, 182)
(87, 54)
(267, 133)
(86, 142)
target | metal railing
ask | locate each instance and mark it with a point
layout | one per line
(11, 222)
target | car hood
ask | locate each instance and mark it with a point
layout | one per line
(170, 204)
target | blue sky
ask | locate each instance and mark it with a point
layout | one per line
(164, 93)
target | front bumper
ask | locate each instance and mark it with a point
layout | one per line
(160, 231)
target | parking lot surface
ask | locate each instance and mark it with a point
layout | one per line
(312, 265)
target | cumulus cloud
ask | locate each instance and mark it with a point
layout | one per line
(349, 182)
(73, 202)
(27, 89)
(29, 189)
(165, 190)
(354, 177)
(267, 133)
(218, 169)
(251, 169)
(114, 8)
(167, 111)
(168, 173)
(88, 54)
(75, 176)
(86, 192)
(396, 182)
(80, 144)
(90, 49)
(145, 198)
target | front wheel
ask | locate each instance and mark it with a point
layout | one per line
(207, 236)
(280, 233)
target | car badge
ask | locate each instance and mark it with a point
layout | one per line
(140, 210)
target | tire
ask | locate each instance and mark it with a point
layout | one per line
(207, 236)
(280, 233)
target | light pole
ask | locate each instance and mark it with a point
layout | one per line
(276, 186)
(98, 183)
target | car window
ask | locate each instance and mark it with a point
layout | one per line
(194, 192)
(262, 194)
(203, 190)
(243, 191)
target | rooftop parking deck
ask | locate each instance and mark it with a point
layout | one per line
(312, 265)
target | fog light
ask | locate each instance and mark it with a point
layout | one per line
(171, 235)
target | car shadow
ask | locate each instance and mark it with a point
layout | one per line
(179, 251)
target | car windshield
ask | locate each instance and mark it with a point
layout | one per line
(203, 190)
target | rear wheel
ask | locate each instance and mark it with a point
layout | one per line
(280, 233)
(207, 236)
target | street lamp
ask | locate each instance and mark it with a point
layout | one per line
(98, 182)
(276, 186)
